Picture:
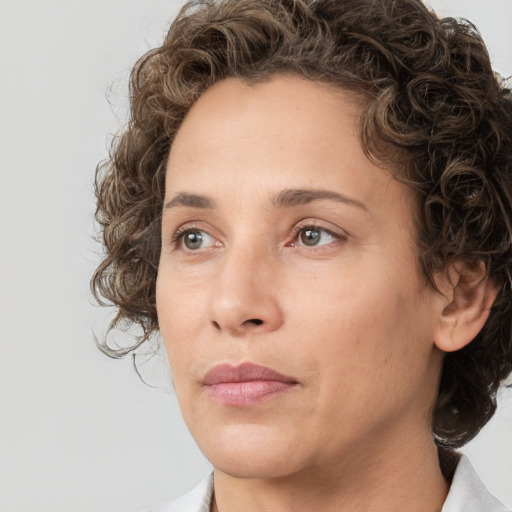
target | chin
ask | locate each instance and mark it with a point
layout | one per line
(251, 452)
(258, 466)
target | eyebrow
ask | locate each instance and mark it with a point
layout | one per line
(190, 201)
(284, 199)
(296, 197)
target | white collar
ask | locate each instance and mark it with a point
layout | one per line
(467, 494)
(197, 500)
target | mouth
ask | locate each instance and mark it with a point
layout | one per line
(245, 384)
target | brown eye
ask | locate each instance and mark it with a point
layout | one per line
(310, 237)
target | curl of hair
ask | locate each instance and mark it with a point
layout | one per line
(431, 106)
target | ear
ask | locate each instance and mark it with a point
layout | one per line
(469, 295)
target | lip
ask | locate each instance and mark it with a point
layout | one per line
(245, 384)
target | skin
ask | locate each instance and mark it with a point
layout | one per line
(351, 319)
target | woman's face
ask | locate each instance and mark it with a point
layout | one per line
(297, 326)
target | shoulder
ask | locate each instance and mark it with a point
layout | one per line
(468, 493)
(197, 500)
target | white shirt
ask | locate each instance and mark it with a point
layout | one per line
(467, 494)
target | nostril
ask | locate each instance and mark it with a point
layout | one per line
(216, 325)
(255, 321)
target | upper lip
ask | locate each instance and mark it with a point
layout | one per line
(244, 372)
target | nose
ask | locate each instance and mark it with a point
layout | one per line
(245, 295)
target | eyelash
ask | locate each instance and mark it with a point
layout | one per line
(181, 231)
(177, 239)
(295, 233)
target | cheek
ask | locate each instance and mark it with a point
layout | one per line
(372, 358)
(180, 320)
(370, 324)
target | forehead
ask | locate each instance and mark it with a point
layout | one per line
(232, 104)
(287, 132)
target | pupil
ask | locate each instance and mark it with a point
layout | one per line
(310, 236)
(193, 239)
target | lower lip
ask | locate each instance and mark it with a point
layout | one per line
(243, 394)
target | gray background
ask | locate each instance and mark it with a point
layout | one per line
(78, 431)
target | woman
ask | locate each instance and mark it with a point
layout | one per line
(311, 204)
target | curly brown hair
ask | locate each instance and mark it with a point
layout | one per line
(432, 106)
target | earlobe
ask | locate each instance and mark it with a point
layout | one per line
(470, 295)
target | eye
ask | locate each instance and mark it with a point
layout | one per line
(194, 239)
(311, 236)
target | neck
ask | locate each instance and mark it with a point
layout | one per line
(404, 476)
